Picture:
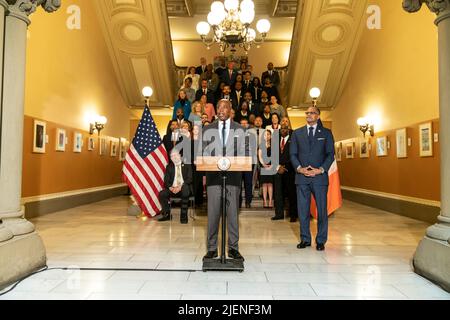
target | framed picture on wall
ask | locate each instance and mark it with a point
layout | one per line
(61, 140)
(338, 151)
(113, 148)
(381, 146)
(77, 142)
(39, 136)
(123, 148)
(401, 140)
(350, 150)
(102, 146)
(91, 144)
(426, 140)
(364, 148)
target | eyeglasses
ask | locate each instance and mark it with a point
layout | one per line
(309, 113)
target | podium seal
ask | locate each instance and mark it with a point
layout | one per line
(224, 164)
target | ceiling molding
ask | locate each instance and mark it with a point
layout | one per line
(273, 8)
(326, 37)
(138, 39)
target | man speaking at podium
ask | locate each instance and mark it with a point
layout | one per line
(223, 138)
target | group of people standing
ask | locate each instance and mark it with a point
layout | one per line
(257, 112)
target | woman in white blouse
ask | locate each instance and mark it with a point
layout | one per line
(195, 78)
(275, 123)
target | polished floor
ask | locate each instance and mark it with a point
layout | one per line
(368, 256)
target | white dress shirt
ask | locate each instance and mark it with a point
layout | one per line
(314, 131)
(178, 178)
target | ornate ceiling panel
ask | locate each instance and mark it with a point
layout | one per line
(188, 8)
(138, 39)
(326, 36)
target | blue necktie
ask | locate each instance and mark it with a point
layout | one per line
(311, 135)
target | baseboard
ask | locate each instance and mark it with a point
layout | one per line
(418, 210)
(41, 205)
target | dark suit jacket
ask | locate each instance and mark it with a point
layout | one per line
(234, 99)
(219, 71)
(226, 77)
(199, 70)
(285, 156)
(209, 95)
(254, 108)
(275, 78)
(236, 146)
(246, 87)
(186, 171)
(320, 154)
(168, 143)
(256, 93)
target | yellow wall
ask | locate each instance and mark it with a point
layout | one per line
(394, 75)
(69, 74)
(188, 53)
(394, 79)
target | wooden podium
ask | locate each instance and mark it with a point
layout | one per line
(222, 165)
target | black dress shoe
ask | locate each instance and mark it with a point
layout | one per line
(277, 218)
(234, 254)
(165, 217)
(248, 205)
(303, 245)
(320, 247)
(293, 219)
(210, 255)
(184, 220)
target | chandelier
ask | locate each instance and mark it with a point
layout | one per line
(230, 22)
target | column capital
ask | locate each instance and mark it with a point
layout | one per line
(440, 7)
(21, 9)
(4, 4)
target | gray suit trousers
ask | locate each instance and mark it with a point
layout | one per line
(214, 215)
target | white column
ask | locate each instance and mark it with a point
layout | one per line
(11, 212)
(21, 249)
(432, 256)
(5, 234)
(443, 22)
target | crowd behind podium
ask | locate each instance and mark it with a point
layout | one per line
(256, 104)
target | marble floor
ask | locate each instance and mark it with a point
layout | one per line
(368, 256)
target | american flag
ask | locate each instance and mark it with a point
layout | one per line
(145, 165)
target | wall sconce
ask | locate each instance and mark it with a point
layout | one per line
(314, 93)
(147, 92)
(99, 124)
(365, 124)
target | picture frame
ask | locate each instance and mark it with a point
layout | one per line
(91, 144)
(39, 136)
(77, 142)
(113, 150)
(61, 140)
(401, 143)
(382, 146)
(350, 150)
(102, 146)
(364, 148)
(426, 139)
(338, 152)
(123, 148)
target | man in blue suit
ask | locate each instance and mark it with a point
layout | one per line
(312, 154)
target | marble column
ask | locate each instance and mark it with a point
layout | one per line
(5, 234)
(21, 248)
(432, 257)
